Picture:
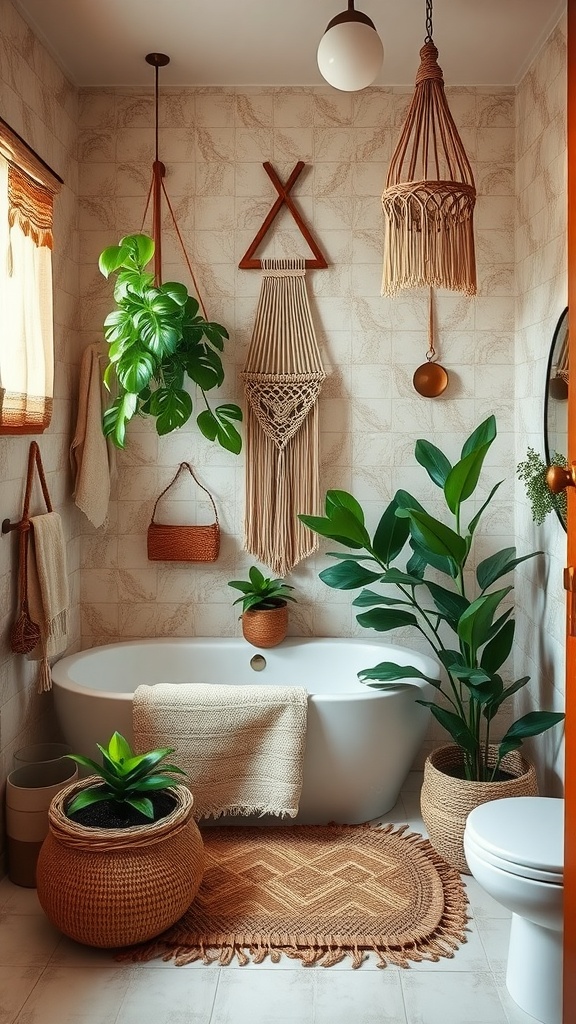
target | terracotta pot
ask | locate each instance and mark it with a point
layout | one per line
(446, 801)
(117, 887)
(265, 627)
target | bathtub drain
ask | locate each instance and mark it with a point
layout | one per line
(258, 662)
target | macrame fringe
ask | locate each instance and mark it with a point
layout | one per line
(284, 483)
(429, 239)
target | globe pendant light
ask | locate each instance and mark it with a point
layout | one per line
(350, 52)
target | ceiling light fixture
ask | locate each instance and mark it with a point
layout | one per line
(350, 53)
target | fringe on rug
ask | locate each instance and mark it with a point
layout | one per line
(322, 951)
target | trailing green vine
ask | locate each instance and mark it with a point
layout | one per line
(532, 471)
(157, 337)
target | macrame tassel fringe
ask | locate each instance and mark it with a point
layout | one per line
(429, 239)
(286, 482)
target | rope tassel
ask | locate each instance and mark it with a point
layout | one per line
(282, 380)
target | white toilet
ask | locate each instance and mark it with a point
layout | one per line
(515, 851)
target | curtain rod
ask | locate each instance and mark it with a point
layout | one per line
(31, 150)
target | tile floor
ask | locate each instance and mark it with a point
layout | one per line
(46, 978)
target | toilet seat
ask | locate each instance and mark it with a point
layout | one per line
(510, 868)
(521, 835)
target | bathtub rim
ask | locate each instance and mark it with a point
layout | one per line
(423, 661)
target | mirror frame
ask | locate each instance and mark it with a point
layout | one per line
(547, 453)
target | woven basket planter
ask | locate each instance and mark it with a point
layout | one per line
(265, 627)
(118, 887)
(446, 801)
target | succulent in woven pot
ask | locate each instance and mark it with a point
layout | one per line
(135, 870)
(264, 608)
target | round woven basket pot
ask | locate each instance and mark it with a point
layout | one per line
(446, 801)
(265, 627)
(118, 887)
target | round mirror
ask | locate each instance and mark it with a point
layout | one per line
(556, 401)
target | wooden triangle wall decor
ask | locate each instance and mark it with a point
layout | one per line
(249, 261)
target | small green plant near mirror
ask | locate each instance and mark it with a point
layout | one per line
(157, 338)
(532, 471)
(260, 592)
(470, 633)
(127, 778)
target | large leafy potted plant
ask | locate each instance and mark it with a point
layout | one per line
(264, 608)
(157, 338)
(123, 858)
(466, 621)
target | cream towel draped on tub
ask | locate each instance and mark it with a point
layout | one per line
(241, 746)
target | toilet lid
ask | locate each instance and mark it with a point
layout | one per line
(524, 831)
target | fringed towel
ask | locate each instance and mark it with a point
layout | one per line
(241, 746)
(48, 597)
(282, 379)
(92, 457)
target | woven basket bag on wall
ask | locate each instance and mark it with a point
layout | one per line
(446, 801)
(119, 887)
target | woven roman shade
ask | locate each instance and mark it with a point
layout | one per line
(27, 190)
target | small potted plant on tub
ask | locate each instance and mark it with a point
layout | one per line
(123, 858)
(264, 608)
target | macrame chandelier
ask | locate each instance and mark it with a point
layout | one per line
(430, 193)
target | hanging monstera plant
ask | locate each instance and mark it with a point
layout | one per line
(157, 338)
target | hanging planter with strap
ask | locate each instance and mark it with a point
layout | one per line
(158, 337)
(430, 193)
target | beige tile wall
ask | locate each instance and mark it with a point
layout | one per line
(38, 102)
(541, 297)
(213, 143)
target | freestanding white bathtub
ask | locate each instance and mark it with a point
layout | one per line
(360, 742)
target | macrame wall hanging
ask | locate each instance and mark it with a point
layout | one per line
(430, 193)
(282, 379)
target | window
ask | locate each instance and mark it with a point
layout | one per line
(27, 191)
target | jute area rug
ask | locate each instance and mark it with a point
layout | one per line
(318, 894)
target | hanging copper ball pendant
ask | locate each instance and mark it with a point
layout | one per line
(430, 380)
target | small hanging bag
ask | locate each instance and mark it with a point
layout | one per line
(168, 543)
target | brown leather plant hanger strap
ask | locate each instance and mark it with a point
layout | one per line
(430, 379)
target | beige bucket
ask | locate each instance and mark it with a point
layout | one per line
(29, 792)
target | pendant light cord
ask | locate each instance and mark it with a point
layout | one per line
(429, 29)
(156, 106)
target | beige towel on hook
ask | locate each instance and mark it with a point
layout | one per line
(91, 455)
(48, 597)
(241, 746)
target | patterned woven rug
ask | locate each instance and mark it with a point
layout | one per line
(317, 893)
